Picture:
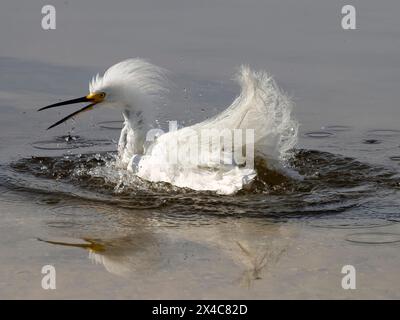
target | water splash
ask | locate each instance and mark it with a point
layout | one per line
(332, 184)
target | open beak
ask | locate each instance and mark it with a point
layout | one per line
(93, 98)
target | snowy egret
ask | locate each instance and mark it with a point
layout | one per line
(182, 157)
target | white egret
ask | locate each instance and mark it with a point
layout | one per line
(133, 86)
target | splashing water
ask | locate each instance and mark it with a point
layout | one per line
(331, 184)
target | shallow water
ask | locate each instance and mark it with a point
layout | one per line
(112, 236)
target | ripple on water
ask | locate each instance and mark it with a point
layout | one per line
(13, 197)
(372, 141)
(52, 145)
(337, 128)
(348, 223)
(376, 238)
(319, 134)
(70, 142)
(384, 132)
(80, 209)
(172, 218)
(63, 224)
(81, 216)
(395, 158)
(111, 125)
(48, 200)
(138, 204)
(341, 184)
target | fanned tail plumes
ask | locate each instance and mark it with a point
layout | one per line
(261, 106)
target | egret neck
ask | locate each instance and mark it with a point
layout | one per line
(133, 135)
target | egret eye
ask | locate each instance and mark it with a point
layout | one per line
(102, 94)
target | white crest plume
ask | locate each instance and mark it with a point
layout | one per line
(138, 74)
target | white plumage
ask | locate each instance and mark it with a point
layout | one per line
(134, 86)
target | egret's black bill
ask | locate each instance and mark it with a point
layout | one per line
(63, 103)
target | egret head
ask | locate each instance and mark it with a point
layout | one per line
(132, 84)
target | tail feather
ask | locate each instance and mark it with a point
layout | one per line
(263, 107)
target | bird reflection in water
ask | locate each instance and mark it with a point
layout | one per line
(254, 249)
(119, 256)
